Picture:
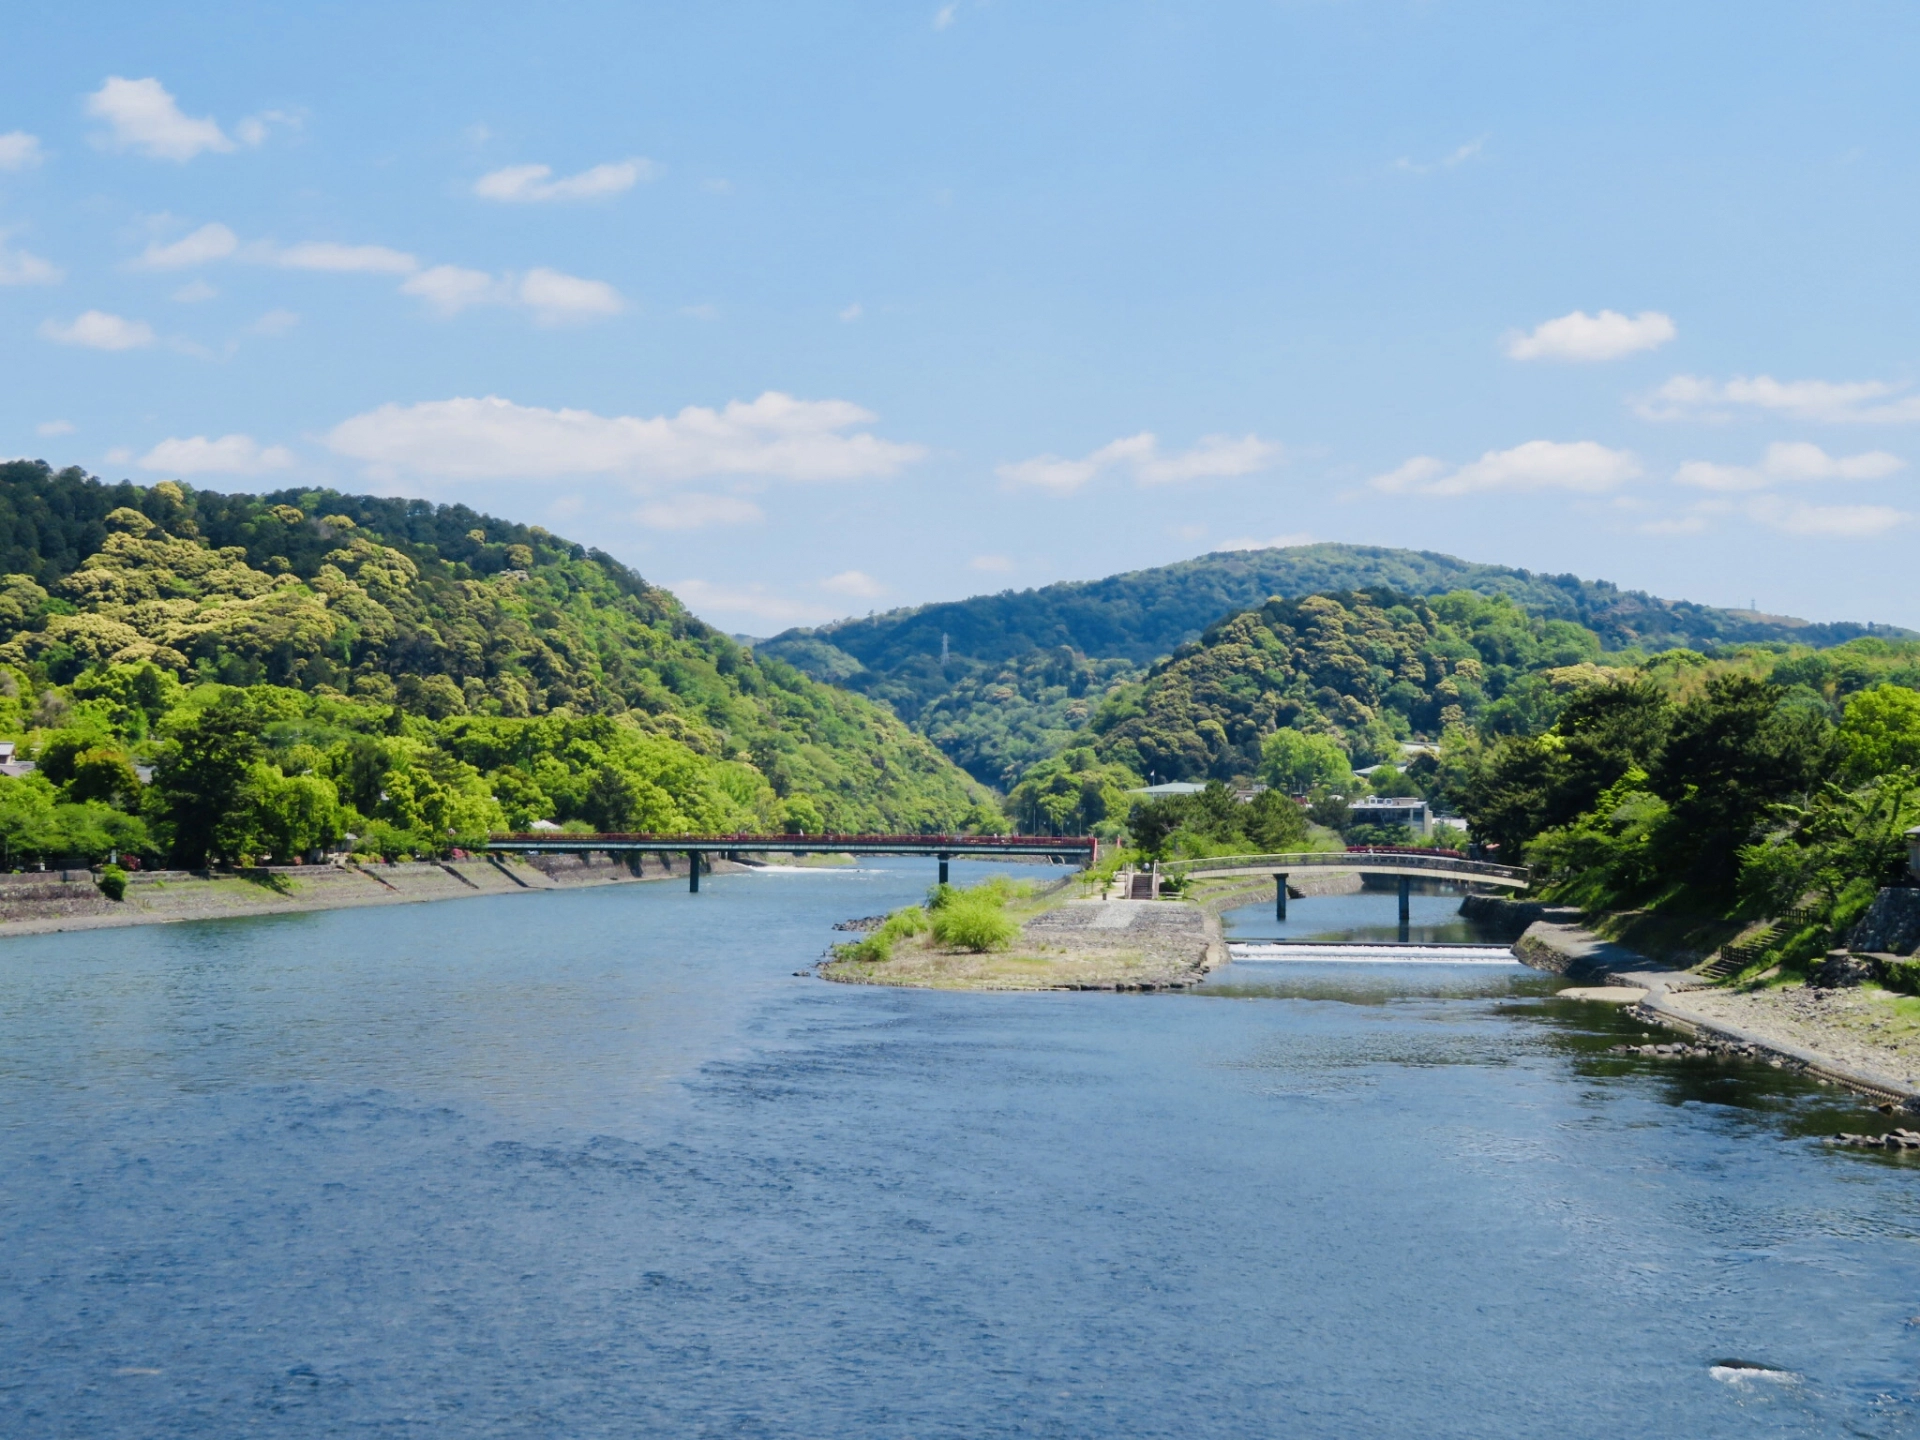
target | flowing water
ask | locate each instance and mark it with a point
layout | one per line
(601, 1164)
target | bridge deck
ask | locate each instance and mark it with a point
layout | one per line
(1432, 867)
(551, 842)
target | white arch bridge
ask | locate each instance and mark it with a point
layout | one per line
(1409, 865)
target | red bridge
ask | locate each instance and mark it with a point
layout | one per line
(1065, 848)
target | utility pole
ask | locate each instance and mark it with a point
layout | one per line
(943, 649)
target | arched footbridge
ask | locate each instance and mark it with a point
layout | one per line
(1069, 849)
(1408, 865)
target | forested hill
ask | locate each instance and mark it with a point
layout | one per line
(436, 616)
(1144, 614)
(1025, 667)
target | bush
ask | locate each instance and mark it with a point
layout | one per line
(969, 924)
(878, 946)
(113, 883)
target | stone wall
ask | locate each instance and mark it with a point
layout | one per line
(1891, 925)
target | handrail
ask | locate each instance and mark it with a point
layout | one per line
(1343, 860)
(819, 842)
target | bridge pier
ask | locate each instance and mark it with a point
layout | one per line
(693, 873)
(1279, 895)
(943, 867)
(1406, 906)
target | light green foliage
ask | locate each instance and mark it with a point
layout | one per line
(1880, 732)
(974, 919)
(1296, 762)
(113, 882)
(1074, 793)
(878, 944)
(451, 617)
(37, 826)
(1608, 855)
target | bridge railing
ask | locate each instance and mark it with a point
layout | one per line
(594, 839)
(1355, 859)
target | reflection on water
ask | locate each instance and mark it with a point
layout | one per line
(1370, 915)
(601, 1164)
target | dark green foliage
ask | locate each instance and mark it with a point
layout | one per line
(1527, 784)
(1362, 669)
(985, 711)
(1728, 758)
(199, 783)
(113, 882)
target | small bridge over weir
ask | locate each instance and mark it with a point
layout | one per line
(1083, 849)
(1408, 865)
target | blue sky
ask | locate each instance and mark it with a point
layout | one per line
(811, 310)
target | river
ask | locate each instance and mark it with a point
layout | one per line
(601, 1164)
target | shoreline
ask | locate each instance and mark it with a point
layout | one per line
(61, 901)
(1804, 1042)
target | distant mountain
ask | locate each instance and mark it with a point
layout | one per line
(1024, 668)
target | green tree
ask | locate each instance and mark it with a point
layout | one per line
(199, 785)
(1296, 762)
(1730, 756)
(1880, 732)
(293, 815)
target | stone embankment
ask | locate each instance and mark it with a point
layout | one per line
(39, 902)
(1859, 1038)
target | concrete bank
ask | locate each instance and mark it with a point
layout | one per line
(1784, 1024)
(44, 902)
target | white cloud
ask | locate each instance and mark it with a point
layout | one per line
(696, 511)
(141, 116)
(852, 313)
(119, 455)
(704, 598)
(1446, 162)
(1216, 456)
(97, 330)
(856, 583)
(552, 297)
(1695, 397)
(209, 242)
(558, 299)
(532, 184)
(474, 439)
(992, 563)
(275, 322)
(20, 151)
(254, 129)
(1788, 463)
(943, 17)
(194, 291)
(1844, 522)
(21, 267)
(451, 289)
(702, 311)
(340, 259)
(1580, 336)
(54, 427)
(1582, 466)
(1278, 542)
(229, 455)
